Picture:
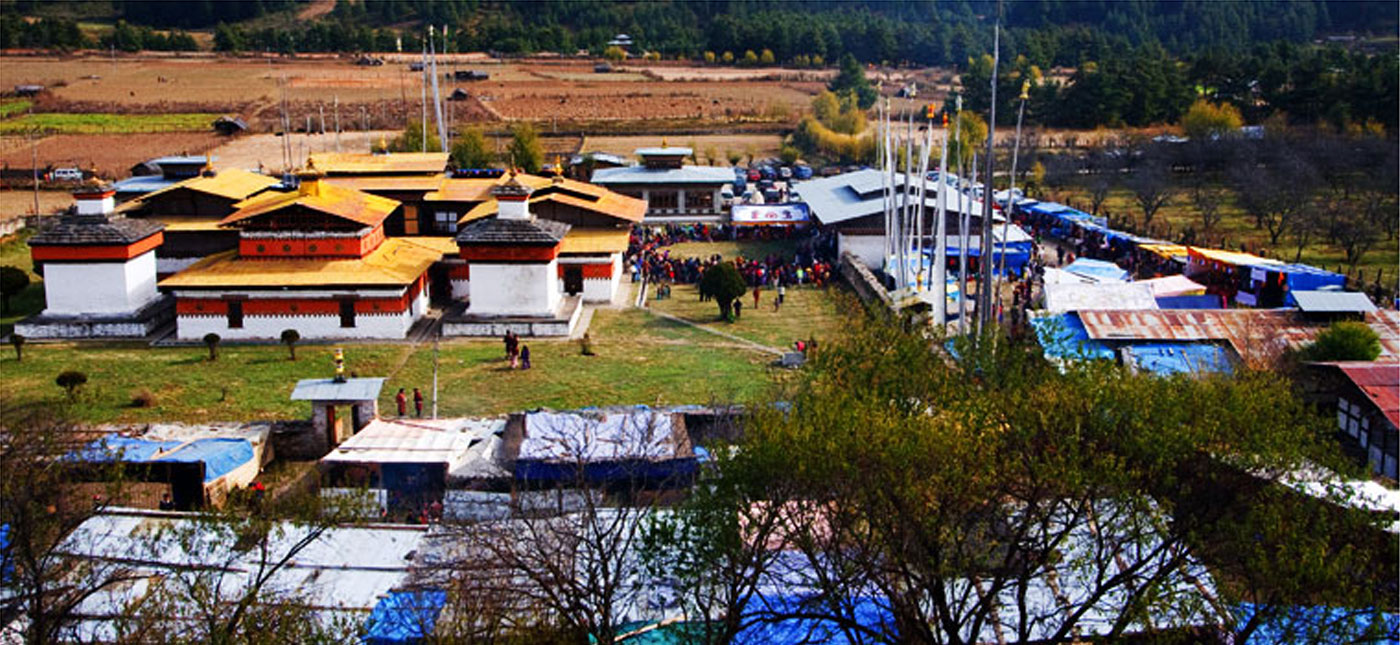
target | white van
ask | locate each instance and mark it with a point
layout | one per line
(66, 174)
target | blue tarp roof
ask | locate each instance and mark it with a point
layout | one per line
(1098, 269)
(1166, 359)
(128, 449)
(1322, 624)
(864, 611)
(1203, 301)
(220, 456)
(404, 617)
(1064, 336)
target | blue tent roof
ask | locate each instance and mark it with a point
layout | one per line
(864, 611)
(220, 456)
(404, 617)
(1064, 336)
(1203, 301)
(1166, 359)
(127, 449)
(1098, 270)
(1322, 624)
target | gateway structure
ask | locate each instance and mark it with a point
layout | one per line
(314, 259)
(99, 273)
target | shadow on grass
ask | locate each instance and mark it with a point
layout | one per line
(192, 360)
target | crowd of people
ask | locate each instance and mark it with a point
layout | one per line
(649, 259)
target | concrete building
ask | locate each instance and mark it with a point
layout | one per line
(674, 192)
(99, 273)
(314, 259)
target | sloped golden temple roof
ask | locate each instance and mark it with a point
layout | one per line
(232, 184)
(396, 263)
(338, 201)
(366, 163)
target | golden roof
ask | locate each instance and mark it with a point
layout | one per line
(595, 240)
(443, 245)
(232, 184)
(361, 163)
(346, 203)
(398, 183)
(577, 194)
(1231, 257)
(396, 263)
(190, 224)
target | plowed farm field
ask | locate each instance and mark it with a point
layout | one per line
(111, 154)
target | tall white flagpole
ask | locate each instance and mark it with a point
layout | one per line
(940, 239)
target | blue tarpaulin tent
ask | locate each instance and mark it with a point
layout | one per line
(1166, 359)
(1321, 624)
(1099, 270)
(127, 449)
(404, 617)
(1203, 301)
(220, 456)
(1063, 336)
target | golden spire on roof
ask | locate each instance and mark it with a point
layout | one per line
(663, 142)
(558, 169)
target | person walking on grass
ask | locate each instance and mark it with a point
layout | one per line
(782, 294)
(402, 400)
(525, 357)
(418, 402)
(756, 291)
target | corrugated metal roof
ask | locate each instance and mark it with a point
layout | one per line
(1165, 359)
(1078, 297)
(861, 193)
(419, 441)
(1252, 333)
(1333, 302)
(682, 175)
(325, 389)
(1380, 382)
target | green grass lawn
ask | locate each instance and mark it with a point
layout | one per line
(15, 253)
(1236, 228)
(806, 312)
(640, 359)
(107, 123)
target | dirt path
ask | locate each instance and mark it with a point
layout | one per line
(316, 9)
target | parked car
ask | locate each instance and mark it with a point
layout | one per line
(785, 172)
(772, 196)
(754, 174)
(767, 172)
(66, 174)
(801, 172)
(726, 196)
(764, 184)
(739, 185)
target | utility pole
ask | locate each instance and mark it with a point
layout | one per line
(984, 283)
(436, 336)
(337, 123)
(1011, 188)
(423, 100)
(34, 152)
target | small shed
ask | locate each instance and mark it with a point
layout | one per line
(28, 90)
(1333, 305)
(361, 395)
(470, 75)
(415, 66)
(602, 68)
(458, 94)
(369, 61)
(230, 125)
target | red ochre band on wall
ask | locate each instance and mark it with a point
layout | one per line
(483, 253)
(346, 247)
(300, 306)
(603, 271)
(459, 272)
(107, 252)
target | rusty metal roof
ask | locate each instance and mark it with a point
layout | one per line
(1380, 382)
(1253, 333)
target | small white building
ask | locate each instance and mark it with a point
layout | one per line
(99, 273)
(673, 191)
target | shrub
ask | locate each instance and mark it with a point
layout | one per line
(12, 282)
(211, 340)
(143, 398)
(70, 381)
(290, 338)
(723, 283)
(1344, 341)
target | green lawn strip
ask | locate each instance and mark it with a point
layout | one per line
(12, 107)
(806, 312)
(638, 361)
(107, 123)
